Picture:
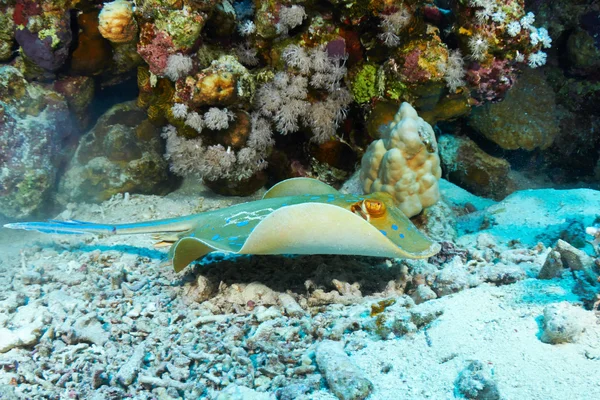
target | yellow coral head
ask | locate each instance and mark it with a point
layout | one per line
(116, 22)
(404, 163)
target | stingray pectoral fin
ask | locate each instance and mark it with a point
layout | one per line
(189, 248)
(186, 250)
(299, 187)
(398, 228)
(320, 228)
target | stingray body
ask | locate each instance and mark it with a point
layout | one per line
(296, 216)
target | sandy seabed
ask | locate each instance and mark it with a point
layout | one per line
(87, 317)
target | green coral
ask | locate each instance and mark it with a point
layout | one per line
(6, 36)
(50, 32)
(395, 89)
(183, 27)
(364, 85)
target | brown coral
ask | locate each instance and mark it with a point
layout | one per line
(116, 22)
(93, 53)
(218, 88)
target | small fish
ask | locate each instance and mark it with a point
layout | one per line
(296, 216)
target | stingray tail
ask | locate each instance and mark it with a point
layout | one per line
(79, 227)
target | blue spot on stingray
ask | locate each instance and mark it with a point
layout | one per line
(227, 220)
(402, 236)
(243, 223)
(349, 200)
(315, 197)
(409, 228)
(384, 232)
(330, 199)
(192, 234)
(284, 204)
(216, 237)
(395, 227)
(233, 238)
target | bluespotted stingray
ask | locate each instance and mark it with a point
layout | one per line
(296, 216)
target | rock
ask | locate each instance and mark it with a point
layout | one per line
(34, 122)
(263, 313)
(261, 338)
(502, 274)
(526, 119)
(290, 305)
(12, 301)
(344, 378)
(7, 392)
(22, 337)
(572, 257)
(424, 314)
(476, 382)
(61, 303)
(201, 290)
(31, 278)
(422, 294)
(465, 164)
(453, 278)
(123, 152)
(237, 392)
(24, 328)
(89, 330)
(582, 50)
(259, 294)
(438, 222)
(587, 287)
(128, 371)
(46, 41)
(553, 266)
(564, 323)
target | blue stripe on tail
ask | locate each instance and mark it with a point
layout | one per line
(64, 227)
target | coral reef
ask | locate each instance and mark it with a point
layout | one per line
(404, 162)
(44, 32)
(251, 74)
(7, 34)
(34, 124)
(121, 153)
(93, 53)
(526, 119)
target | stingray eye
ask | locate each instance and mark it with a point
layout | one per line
(368, 209)
(375, 208)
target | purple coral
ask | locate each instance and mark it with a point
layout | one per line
(491, 82)
(48, 52)
(156, 50)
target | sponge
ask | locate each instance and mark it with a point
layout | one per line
(404, 162)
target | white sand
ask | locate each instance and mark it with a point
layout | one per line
(498, 326)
